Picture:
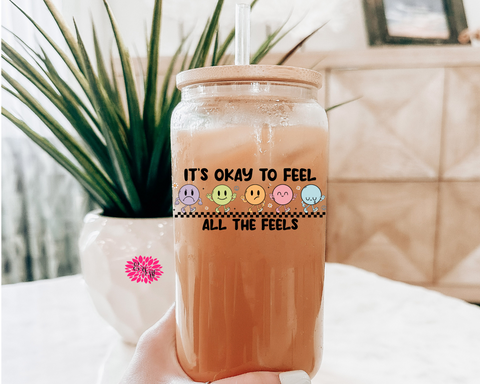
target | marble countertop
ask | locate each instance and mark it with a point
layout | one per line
(376, 331)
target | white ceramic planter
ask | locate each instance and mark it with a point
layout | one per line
(106, 245)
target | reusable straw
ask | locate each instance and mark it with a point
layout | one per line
(242, 34)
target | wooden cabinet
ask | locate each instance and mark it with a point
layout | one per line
(404, 175)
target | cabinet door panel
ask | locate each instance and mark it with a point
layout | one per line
(386, 228)
(458, 256)
(461, 144)
(393, 132)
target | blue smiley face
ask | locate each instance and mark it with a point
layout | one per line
(311, 194)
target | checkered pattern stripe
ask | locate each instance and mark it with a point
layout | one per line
(248, 215)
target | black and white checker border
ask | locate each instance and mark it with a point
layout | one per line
(247, 215)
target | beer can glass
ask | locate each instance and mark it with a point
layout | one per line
(249, 165)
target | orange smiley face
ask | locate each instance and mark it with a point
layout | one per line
(255, 194)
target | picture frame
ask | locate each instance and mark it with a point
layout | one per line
(430, 22)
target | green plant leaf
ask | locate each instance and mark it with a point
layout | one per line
(136, 134)
(97, 194)
(270, 42)
(67, 34)
(149, 106)
(47, 67)
(339, 105)
(69, 63)
(298, 45)
(163, 105)
(160, 173)
(138, 63)
(199, 47)
(104, 77)
(69, 109)
(265, 46)
(199, 57)
(109, 124)
(65, 89)
(118, 93)
(94, 140)
(63, 97)
(215, 49)
(27, 70)
(222, 49)
(66, 100)
(211, 30)
(65, 138)
(176, 95)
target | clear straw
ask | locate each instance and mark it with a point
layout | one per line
(242, 34)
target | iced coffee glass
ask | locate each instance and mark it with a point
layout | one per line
(249, 148)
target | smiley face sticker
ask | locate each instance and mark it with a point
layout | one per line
(255, 196)
(311, 195)
(188, 195)
(282, 195)
(222, 195)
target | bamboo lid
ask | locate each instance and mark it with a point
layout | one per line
(249, 73)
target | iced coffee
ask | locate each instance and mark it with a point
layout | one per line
(249, 147)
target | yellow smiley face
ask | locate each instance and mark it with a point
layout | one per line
(255, 194)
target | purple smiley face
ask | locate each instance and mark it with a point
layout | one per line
(189, 194)
(282, 194)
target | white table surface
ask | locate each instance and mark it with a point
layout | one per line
(376, 331)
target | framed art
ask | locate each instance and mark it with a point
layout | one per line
(414, 21)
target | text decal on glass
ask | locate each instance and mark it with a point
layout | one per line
(276, 205)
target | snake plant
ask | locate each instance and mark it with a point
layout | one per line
(119, 147)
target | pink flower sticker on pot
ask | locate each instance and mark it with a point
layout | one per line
(143, 269)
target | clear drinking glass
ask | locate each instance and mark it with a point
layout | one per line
(249, 149)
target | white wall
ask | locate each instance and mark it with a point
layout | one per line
(345, 28)
(472, 11)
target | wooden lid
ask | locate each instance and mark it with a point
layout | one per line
(249, 73)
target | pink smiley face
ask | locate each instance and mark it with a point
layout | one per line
(282, 194)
